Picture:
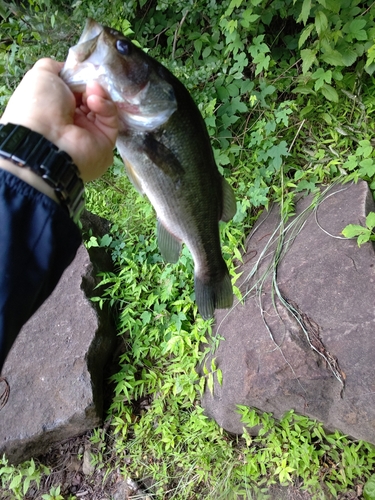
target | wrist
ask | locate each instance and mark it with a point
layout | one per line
(31, 151)
(29, 177)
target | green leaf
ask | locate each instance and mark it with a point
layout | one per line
(304, 112)
(219, 374)
(4, 10)
(369, 489)
(371, 54)
(198, 46)
(26, 484)
(353, 230)
(303, 89)
(333, 5)
(367, 167)
(364, 149)
(106, 240)
(320, 76)
(146, 317)
(351, 163)
(356, 29)
(330, 93)
(370, 220)
(333, 57)
(305, 35)
(16, 481)
(370, 68)
(262, 62)
(321, 22)
(308, 58)
(248, 18)
(222, 93)
(363, 238)
(305, 11)
(349, 56)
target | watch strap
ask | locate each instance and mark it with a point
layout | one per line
(27, 148)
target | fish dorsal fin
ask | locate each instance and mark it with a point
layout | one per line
(169, 245)
(163, 157)
(229, 202)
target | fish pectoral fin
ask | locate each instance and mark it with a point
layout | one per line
(169, 245)
(229, 202)
(162, 157)
(133, 177)
(213, 295)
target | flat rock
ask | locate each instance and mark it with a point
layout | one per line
(55, 368)
(313, 350)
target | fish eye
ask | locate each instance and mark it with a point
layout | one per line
(123, 47)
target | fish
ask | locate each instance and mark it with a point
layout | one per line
(166, 150)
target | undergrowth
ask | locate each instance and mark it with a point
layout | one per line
(286, 90)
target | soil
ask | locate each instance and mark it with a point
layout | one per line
(70, 468)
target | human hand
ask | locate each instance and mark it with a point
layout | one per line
(85, 125)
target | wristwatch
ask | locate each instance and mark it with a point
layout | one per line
(27, 148)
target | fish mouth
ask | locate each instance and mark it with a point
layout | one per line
(84, 61)
(145, 106)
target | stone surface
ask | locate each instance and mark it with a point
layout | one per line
(55, 368)
(268, 361)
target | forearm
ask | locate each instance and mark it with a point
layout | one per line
(38, 241)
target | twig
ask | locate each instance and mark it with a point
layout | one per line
(177, 32)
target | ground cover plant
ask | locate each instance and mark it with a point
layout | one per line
(286, 89)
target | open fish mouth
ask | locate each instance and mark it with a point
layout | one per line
(85, 59)
(98, 57)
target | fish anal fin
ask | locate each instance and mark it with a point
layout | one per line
(213, 295)
(229, 202)
(169, 245)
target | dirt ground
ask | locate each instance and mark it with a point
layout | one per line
(70, 468)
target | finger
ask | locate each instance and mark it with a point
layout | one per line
(101, 106)
(94, 88)
(48, 64)
(106, 116)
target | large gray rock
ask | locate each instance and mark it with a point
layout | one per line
(268, 360)
(55, 368)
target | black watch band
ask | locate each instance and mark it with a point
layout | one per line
(27, 148)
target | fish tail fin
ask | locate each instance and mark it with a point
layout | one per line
(213, 294)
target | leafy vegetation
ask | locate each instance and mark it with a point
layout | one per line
(363, 234)
(286, 89)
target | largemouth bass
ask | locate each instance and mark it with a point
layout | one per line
(166, 150)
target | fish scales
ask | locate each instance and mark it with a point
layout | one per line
(167, 153)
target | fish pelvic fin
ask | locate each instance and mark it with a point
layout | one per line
(213, 295)
(229, 202)
(169, 245)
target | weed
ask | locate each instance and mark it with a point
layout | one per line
(16, 481)
(363, 234)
